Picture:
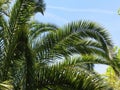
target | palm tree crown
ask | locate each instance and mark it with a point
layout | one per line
(28, 50)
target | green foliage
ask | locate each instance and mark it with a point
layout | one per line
(112, 73)
(71, 74)
(15, 46)
(116, 61)
(6, 85)
(29, 51)
(118, 11)
(112, 78)
(4, 5)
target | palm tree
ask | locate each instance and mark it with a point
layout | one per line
(14, 42)
(27, 49)
(78, 38)
(70, 74)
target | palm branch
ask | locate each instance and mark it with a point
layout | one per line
(27, 49)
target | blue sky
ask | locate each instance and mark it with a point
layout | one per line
(104, 12)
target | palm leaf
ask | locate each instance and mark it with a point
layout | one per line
(75, 78)
(79, 37)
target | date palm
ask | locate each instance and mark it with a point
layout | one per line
(77, 38)
(27, 49)
(70, 74)
(14, 42)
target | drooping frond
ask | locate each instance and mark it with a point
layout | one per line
(37, 29)
(39, 6)
(84, 61)
(69, 77)
(79, 37)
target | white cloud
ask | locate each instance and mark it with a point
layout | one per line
(82, 10)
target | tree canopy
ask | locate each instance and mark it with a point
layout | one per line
(36, 56)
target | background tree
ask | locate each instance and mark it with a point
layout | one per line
(118, 11)
(112, 78)
(112, 75)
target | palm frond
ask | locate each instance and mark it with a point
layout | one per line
(77, 79)
(39, 6)
(37, 29)
(84, 61)
(79, 37)
(18, 13)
